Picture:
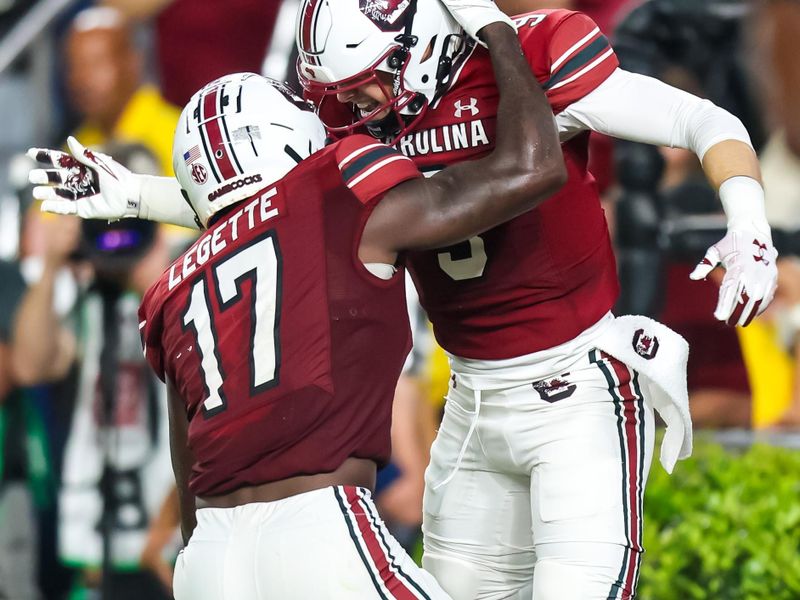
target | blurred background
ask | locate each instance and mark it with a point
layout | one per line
(87, 504)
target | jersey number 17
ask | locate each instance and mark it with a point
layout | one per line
(259, 261)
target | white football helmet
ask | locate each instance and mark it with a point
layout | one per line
(342, 43)
(236, 136)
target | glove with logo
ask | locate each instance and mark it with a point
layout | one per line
(473, 15)
(92, 185)
(748, 256)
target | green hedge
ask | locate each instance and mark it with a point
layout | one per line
(725, 525)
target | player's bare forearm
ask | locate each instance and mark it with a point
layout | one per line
(525, 167)
(181, 460)
(42, 351)
(527, 139)
(730, 158)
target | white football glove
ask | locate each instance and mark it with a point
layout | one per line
(84, 183)
(473, 15)
(751, 275)
(92, 185)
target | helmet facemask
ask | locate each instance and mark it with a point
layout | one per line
(420, 66)
(404, 107)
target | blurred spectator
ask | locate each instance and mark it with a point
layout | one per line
(104, 81)
(667, 215)
(770, 344)
(771, 347)
(19, 460)
(779, 37)
(116, 468)
(200, 40)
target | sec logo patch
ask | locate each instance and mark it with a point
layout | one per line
(199, 173)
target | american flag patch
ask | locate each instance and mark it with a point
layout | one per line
(192, 155)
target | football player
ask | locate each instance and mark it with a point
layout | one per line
(281, 332)
(547, 437)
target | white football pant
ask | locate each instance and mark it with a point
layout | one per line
(328, 544)
(536, 490)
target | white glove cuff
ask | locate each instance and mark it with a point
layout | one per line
(474, 15)
(160, 200)
(743, 200)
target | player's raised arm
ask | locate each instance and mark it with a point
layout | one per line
(92, 185)
(525, 167)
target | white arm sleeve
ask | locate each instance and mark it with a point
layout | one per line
(161, 200)
(643, 109)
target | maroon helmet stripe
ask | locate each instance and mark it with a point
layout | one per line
(219, 150)
(308, 18)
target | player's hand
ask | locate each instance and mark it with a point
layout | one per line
(751, 274)
(474, 15)
(83, 183)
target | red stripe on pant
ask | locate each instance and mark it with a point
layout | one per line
(629, 418)
(395, 585)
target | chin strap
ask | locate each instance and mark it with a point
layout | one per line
(450, 62)
(398, 58)
(385, 128)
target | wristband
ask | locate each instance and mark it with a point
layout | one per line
(743, 201)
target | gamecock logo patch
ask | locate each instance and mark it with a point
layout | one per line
(388, 15)
(644, 345)
(557, 388)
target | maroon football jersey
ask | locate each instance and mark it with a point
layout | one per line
(285, 349)
(542, 278)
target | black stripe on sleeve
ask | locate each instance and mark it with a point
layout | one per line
(368, 159)
(581, 59)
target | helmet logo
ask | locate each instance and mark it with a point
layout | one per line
(387, 15)
(199, 173)
(460, 107)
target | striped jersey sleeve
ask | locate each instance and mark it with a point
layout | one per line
(580, 59)
(370, 168)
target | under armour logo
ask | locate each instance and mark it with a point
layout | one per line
(472, 107)
(761, 253)
(644, 345)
